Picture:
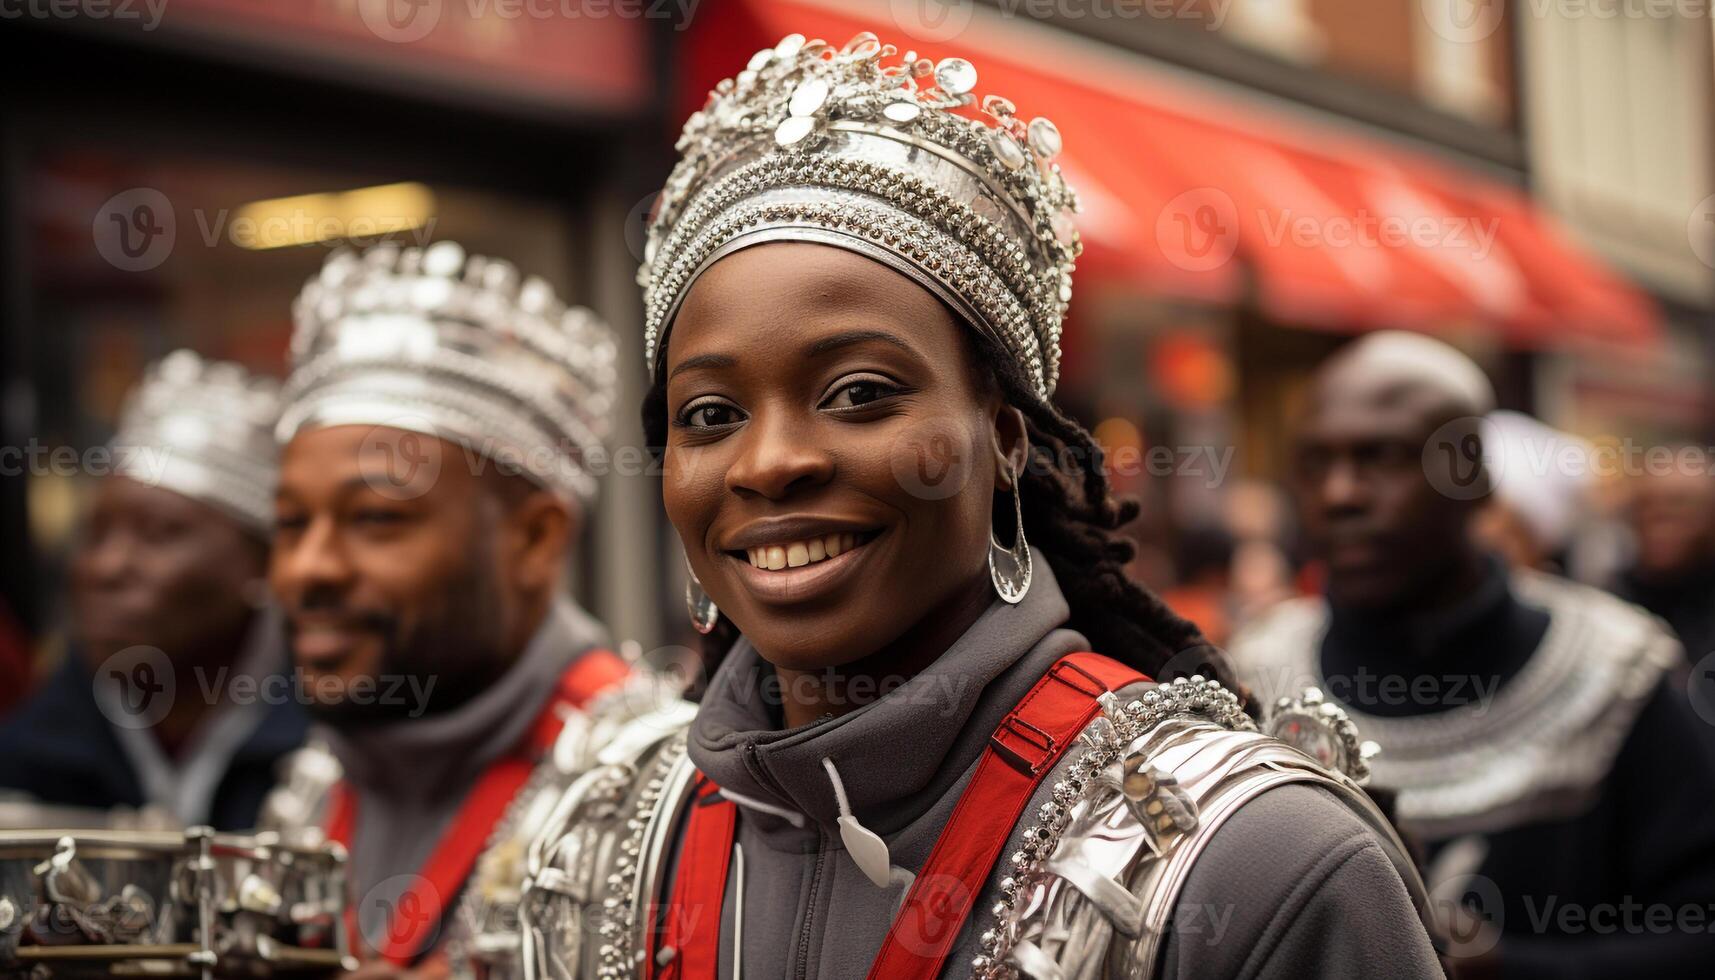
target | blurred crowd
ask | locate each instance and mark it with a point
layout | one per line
(1646, 533)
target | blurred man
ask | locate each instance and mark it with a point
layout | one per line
(164, 701)
(436, 424)
(1673, 575)
(1528, 725)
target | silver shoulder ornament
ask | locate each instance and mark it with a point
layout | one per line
(1538, 747)
(488, 937)
(599, 858)
(1094, 882)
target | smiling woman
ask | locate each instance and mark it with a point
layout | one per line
(801, 379)
(902, 554)
(830, 425)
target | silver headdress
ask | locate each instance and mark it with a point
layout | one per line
(204, 429)
(459, 347)
(810, 143)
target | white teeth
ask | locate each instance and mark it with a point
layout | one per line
(796, 554)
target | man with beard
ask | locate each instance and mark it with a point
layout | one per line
(435, 425)
(1533, 730)
(159, 704)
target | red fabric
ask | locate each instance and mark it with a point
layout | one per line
(341, 815)
(589, 675)
(419, 912)
(1190, 194)
(15, 661)
(421, 908)
(693, 925)
(1024, 748)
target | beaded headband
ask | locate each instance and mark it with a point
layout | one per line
(456, 346)
(837, 147)
(210, 427)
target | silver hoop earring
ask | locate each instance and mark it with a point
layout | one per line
(704, 612)
(1009, 568)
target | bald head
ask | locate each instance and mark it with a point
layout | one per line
(1389, 469)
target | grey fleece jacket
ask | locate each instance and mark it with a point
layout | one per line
(1293, 886)
(411, 776)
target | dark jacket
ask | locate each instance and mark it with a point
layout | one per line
(59, 748)
(1622, 884)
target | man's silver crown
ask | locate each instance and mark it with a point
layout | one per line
(842, 147)
(204, 429)
(457, 346)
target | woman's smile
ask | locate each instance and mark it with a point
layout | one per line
(799, 566)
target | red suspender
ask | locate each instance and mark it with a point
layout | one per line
(1020, 753)
(588, 676)
(693, 926)
(417, 915)
(1025, 746)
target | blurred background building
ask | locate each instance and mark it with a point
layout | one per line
(1261, 179)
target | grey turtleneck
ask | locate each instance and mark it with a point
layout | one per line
(1292, 886)
(411, 776)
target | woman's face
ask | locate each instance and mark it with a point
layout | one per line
(832, 456)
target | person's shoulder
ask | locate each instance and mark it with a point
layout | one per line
(1620, 627)
(60, 704)
(1295, 880)
(1285, 833)
(1674, 731)
(57, 733)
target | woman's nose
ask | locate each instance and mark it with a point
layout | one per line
(779, 456)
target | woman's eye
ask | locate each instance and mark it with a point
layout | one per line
(710, 415)
(856, 393)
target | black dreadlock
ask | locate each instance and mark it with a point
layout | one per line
(1070, 516)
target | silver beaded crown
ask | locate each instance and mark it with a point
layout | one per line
(842, 148)
(458, 347)
(204, 429)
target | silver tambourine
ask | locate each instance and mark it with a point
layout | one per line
(161, 903)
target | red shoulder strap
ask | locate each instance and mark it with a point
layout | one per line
(589, 675)
(1025, 746)
(418, 914)
(1022, 750)
(692, 929)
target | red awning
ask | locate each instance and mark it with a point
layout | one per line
(1189, 194)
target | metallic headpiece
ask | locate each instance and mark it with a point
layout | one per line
(204, 429)
(814, 144)
(458, 347)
